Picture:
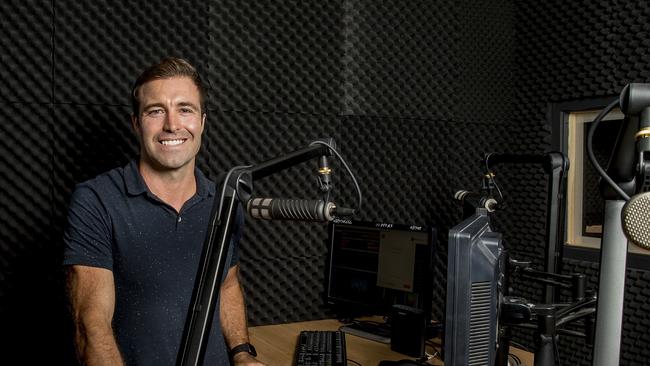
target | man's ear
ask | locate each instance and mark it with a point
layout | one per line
(135, 123)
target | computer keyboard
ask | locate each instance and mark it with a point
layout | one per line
(320, 348)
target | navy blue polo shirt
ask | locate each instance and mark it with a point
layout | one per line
(115, 222)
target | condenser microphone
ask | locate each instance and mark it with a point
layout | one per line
(476, 199)
(294, 209)
(636, 219)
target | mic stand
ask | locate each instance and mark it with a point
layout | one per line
(216, 247)
(547, 320)
(613, 252)
(555, 166)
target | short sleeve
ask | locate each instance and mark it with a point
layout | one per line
(87, 237)
(235, 238)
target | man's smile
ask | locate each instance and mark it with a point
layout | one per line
(172, 142)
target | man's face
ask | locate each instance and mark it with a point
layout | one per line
(170, 123)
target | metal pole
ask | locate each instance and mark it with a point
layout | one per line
(611, 287)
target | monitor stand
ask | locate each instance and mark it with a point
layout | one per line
(377, 332)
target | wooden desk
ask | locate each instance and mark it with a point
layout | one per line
(276, 345)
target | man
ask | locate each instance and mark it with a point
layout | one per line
(135, 235)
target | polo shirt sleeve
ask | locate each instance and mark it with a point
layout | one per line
(87, 237)
(235, 238)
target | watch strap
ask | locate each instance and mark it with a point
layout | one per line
(244, 347)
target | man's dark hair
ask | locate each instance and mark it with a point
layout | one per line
(167, 68)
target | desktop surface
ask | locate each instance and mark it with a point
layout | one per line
(276, 345)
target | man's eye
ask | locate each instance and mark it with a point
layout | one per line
(187, 110)
(154, 112)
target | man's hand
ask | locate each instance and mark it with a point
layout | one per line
(245, 359)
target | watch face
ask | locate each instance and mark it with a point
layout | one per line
(251, 350)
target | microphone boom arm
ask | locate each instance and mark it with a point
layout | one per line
(217, 245)
(275, 165)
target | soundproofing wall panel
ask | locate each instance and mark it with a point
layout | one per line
(400, 59)
(87, 141)
(243, 138)
(275, 56)
(31, 292)
(565, 51)
(25, 197)
(294, 290)
(101, 46)
(26, 57)
(486, 48)
(631, 42)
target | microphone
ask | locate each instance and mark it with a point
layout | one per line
(636, 219)
(294, 209)
(476, 200)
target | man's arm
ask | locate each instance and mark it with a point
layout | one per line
(92, 297)
(233, 316)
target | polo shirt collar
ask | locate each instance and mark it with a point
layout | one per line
(135, 184)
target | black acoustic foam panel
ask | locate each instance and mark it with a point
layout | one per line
(26, 181)
(31, 291)
(275, 55)
(87, 141)
(293, 290)
(631, 42)
(400, 58)
(26, 57)
(565, 51)
(101, 46)
(486, 48)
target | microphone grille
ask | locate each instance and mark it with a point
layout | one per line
(636, 220)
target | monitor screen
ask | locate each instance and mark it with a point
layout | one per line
(373, 266)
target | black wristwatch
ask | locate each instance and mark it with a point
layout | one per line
(244, 347)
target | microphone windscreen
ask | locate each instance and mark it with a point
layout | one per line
(636, 220)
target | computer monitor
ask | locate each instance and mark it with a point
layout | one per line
(475, 270)
(373, 266)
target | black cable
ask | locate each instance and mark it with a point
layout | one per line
(575, 315)
(354, 179)
(354, 362)
(569, 332)
(372, 322)
(492, 181)
(592, 156)
(515, 359)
